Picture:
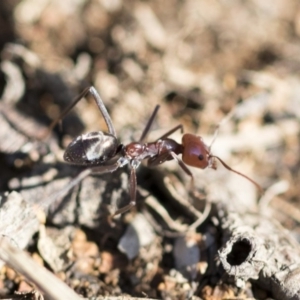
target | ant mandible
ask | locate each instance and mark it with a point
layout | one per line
(95, 149)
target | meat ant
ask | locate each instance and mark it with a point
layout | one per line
(97, 149)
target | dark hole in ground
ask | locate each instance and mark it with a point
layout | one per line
(239, 253)
(267, 56)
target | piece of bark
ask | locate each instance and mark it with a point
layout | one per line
(259, 249)
(54, 246)
(44, 279)
(14, 213)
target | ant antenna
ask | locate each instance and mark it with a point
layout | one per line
(223, 121)
(239, 173)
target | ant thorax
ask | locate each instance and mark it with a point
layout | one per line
(140, 151)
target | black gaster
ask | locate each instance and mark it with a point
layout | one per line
(91, 149)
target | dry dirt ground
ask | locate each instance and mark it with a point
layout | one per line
(233, 63)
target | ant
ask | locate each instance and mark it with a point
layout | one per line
(99, 150)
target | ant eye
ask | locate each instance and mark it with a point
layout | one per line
(201, 157)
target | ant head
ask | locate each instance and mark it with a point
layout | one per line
(195, 152)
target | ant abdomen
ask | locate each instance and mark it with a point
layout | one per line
(91, 149)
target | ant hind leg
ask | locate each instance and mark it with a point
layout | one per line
(82, 175)
(99, 103)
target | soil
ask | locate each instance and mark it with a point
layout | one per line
(226, 66)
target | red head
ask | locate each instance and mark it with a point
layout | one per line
(195, 152)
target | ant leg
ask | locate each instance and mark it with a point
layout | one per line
(98, 101)
(149, 124)
(183, 167)
(132, 202)
(103, 110)
(105, 169)
(45, 204)
(65, 112)
(164, 156)
(171, 131)
(83, 174)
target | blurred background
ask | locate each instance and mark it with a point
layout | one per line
(199, 59)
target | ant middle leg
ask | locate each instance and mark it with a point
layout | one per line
(149, 124)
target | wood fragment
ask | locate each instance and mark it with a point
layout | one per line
(45, 280)
(14, 213)
(257, 248)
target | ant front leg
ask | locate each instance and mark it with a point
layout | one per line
(132, 189)
(165, 156)
(184, 168)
